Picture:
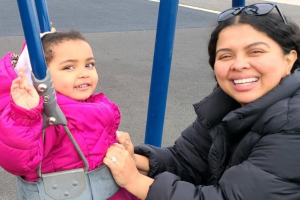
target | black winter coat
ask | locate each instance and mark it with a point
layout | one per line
(232, 152)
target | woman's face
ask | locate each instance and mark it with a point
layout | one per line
(249, 63)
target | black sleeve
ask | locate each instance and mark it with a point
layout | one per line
(168, 186)
(188, 158)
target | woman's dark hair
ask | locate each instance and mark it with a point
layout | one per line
(286, 35)
(54, 39)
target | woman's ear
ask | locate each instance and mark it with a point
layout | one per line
(290, 59)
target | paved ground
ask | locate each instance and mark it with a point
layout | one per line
(122, 35)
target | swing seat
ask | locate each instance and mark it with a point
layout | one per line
(98, 185)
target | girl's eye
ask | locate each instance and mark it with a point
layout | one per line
(90, 65)
(68, 67)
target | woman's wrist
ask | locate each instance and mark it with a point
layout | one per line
(140, 186)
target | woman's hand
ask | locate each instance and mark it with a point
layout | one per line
(24, 94)
(142, 162)
(121, 164)
(124, 171)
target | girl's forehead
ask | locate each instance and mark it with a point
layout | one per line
(72, 48)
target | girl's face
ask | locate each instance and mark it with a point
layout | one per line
(249, 63)
(73, 69)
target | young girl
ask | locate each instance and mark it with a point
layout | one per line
(92, 118)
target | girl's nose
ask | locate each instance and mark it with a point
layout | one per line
(84, 73)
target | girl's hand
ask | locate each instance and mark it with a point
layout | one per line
(121, 165)
(52, 28)
(124, 139)
(24, 94)
(141, 162)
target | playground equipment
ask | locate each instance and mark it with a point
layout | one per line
(161, 71)
(238, 3)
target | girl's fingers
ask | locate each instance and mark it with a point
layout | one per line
(24, 83)
(28, 89)
(120, 137)
(25, 80)
(21, 71)
(52, 28)
(15, 84)
(119, 145)
(23, 76)
(21, 83)
(14, 87)
(16, 81)
(123, 138)
(116, 148)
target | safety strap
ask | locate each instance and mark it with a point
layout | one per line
(68, 183)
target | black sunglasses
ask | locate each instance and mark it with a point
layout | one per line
(254, 9)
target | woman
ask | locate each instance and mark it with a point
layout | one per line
(245, 142)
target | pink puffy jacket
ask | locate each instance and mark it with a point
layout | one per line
(93, 124)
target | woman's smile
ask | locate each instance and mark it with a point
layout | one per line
(244, 84)
(248, 63)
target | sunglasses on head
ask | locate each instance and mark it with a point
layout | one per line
(254, 9)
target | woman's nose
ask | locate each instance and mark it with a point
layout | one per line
(240, 63)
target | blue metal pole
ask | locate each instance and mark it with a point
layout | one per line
(42, 12)
(238, 3)
(32, 37)
(161, 70)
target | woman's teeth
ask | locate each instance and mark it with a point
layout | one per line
(246, 80)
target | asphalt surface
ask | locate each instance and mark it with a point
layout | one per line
(122, 35)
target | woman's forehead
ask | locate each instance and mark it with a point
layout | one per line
(241, 35)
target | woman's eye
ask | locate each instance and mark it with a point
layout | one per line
(224, 57)
(256, 51)
(68, 67)
(90, 65)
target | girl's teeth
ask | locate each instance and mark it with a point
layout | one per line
(81, 86)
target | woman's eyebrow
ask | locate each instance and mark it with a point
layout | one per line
(247, 47)
(223, 49)
(255, 44)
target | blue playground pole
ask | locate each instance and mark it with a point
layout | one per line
(32, 37)
(238, 3)
(42, 12)
(161, 71)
